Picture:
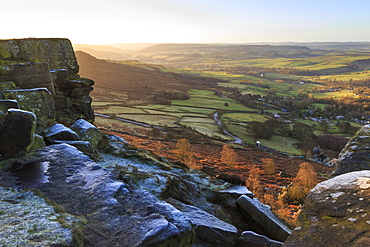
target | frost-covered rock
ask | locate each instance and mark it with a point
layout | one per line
(87, 132)
(59, 132)
(115, 215)
(27, 220)
(17, 132)
(85, 147)
(209, 229)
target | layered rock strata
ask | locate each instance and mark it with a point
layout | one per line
(49, 65)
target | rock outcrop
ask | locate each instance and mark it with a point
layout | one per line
(115, 214)
(125, 196)
(48, 64)
(337, 211)
(355, 156)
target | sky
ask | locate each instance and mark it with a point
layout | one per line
(187, 21)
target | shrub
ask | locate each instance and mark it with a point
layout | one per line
(228, 155)
(269, 166)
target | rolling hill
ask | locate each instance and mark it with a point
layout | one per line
(134, 83)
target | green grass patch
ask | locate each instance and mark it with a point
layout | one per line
(118, 109)
(197, 120)
(208, 129)
(282, 144)
(158, 120)
(245, 117)
(178, 109)
(336, 95)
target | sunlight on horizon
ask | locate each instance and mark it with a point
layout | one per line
(204, 21)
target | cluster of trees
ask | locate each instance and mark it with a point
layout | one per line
(267, 129)
(165, 97)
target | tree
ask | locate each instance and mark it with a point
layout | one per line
(306, 177)
(260, 130)
(182, 150)
(228, 155)
(253, 181)
(304, 181)
(324, 125)
(302, 131)
(269, 166)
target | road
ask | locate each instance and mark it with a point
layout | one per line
(237, 140)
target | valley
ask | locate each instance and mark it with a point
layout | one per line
(290, 99)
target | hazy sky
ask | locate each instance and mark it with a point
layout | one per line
(180, 21)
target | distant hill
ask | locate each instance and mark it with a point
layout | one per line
(133, 46)
(115, 79)
(205, 47)
(103, 51)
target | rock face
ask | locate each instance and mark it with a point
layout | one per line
(336, 213)
(17, 132)
(355, 156)
(56, 52)
(50, 64)
(36, 100)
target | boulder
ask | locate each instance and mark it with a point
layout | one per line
(59, 132)
(355, 156)
(36, 100)
(115, 215)
(85, 147)
(17, 132)
(87, 132)
(252, 239)
(210, 231)
(263, 215)
(335, 213)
